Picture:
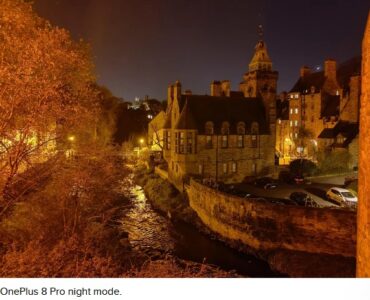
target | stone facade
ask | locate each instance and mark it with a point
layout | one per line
(226, 136)
(318, 101)
(363, 229)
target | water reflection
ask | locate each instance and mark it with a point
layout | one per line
(154, 234)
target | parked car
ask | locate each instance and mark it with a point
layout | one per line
(342, 196)
(299, 179)
(266, 183)
(302, 199)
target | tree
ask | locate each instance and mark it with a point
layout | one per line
(45, 90)
(304, 139)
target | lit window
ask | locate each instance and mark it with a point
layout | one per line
(296, 111)
(224, 168)
(337, 93)
(296, 135)
(225, 141)
(200, 169)
(240, 141)
(296, 96)
(279, 121)
(291, 96)
(168, 140)
(189, 143)
(291, 123)
(182, 142)
(233, 167)
(291, 111)
(296, 123)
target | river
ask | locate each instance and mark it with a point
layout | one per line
(152, 233)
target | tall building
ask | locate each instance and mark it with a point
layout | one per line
(227, 135)
(322, 106)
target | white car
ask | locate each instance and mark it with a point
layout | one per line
(342, 196)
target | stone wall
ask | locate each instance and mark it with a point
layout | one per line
(363, 247)
(270, 227)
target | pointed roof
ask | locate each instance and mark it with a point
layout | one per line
(261, 60)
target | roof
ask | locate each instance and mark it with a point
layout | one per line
(346, 129)
(282, 109)
(197, 110)
(330, 105)
(317, 79)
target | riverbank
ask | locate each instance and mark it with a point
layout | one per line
(165, 198)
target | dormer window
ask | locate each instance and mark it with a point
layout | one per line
(225, 128)
(209, 128)
(240, 128)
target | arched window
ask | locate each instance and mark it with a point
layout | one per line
(209, 128)
(225, 128)
(240, 128)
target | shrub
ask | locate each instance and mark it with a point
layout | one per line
(303, 167)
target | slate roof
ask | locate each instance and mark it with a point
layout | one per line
(330, 105)
(317, 79)
(196, 110)
(346, 129)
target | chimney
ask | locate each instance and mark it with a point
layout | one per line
(177, 89)
(216, 89)
(305, 71)
(225, 87)
(169, 96)
(331, 69)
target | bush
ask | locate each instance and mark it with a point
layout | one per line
(331, 162)
(303, 167)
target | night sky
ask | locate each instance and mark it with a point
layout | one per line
(140, 46)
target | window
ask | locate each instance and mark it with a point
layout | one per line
(168, 140)
(233, 167)
(296, 135)
(240, 141)
(254, 141)
(189, 143)
(254, 168)
(225, 128)
(177, 168)
(224, 168)
(291, 96)
(291, 123)
(176, 142)
(296, 111)
(291, 111)
(296, 96)
(240, 128)
(182, 142)
(296, 123)
(209, 144)
(200, 169)
(225, 141)
(255, 132)
(209, 128)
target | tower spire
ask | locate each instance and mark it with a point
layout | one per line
(260, 31)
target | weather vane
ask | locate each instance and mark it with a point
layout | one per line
(260, 31)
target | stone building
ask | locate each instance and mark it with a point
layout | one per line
(318, 101)
(227, 135)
